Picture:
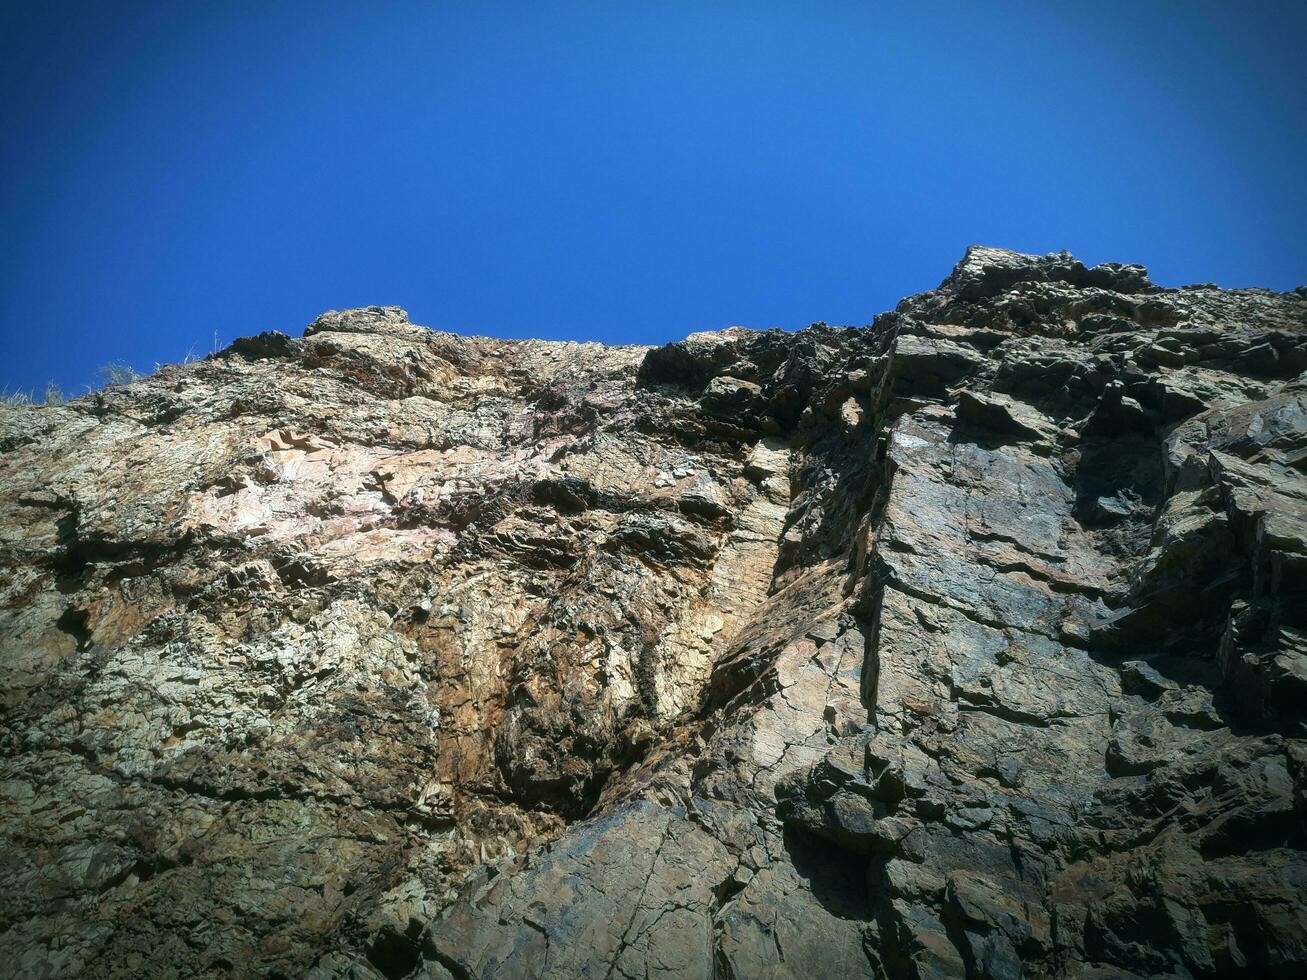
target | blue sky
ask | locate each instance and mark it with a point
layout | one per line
(626, 172)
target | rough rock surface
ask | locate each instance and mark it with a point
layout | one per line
(970, 643)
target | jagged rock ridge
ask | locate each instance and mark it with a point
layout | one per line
(970, 643)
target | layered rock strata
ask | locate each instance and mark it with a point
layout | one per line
(969, 643)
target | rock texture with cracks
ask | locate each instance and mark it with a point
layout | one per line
(970, 643)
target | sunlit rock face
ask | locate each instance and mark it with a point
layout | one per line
(969, 643)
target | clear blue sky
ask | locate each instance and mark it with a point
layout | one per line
(616, 171)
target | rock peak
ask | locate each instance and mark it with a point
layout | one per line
(985, 271)
(363, 319)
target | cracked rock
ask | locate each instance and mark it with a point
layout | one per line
(969, 643)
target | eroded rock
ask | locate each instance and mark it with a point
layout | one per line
(970, 643)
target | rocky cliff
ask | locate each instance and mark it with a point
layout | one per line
(969, 643)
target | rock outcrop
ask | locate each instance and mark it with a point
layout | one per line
(969, 643)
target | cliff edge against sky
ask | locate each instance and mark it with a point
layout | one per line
(969, 643)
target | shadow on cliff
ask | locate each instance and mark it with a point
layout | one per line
(836, 877)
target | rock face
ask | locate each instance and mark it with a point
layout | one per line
(970, 643)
